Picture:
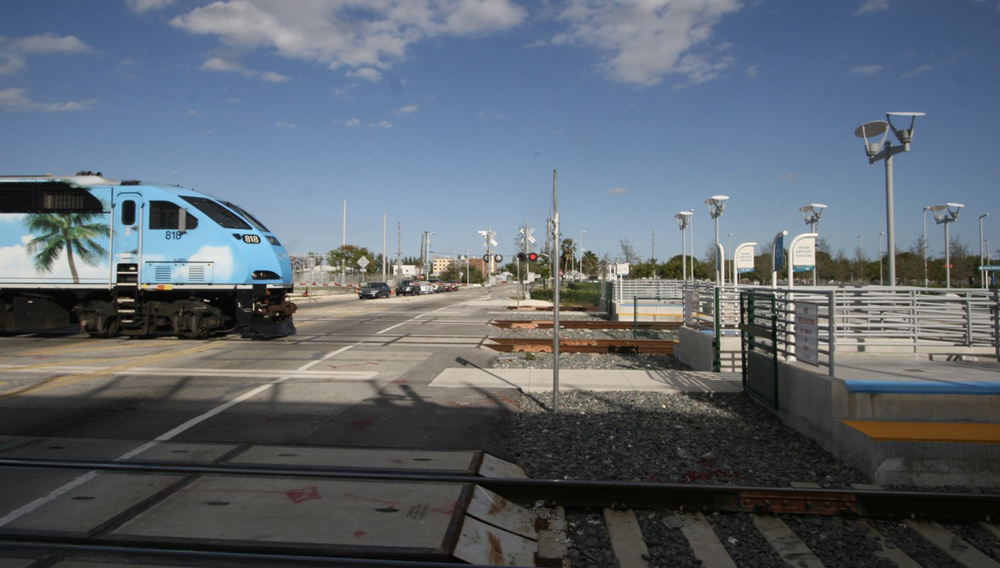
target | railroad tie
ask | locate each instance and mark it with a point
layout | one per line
(626, 538)
(704, 542)
(785, 542)
(949, 543)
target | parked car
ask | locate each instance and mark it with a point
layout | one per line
(439, 285)
(374, 290)
(425, 287)
(407, 288)
(452, 286)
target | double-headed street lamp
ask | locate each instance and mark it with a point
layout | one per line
(982, 263)
(884, 150)
(683, 220)
(716, 204)
(812, 214)
(945, 214)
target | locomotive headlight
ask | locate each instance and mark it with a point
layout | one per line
(273, 241)
(265, 275)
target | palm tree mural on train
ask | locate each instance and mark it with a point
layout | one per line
(73, 232)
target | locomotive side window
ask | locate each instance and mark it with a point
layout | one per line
(216, 212)
(128, 212)
(47, 198)
(165, 215)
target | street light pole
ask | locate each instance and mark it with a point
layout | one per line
(926, 284)
(982, 271)
(945, 214)
(812, 214)
(880, 281)
(884, 150)
(716, 204)
(683, 218)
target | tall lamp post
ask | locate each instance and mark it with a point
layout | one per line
(926, 209)
(982, 272)
(716, 204)
(683, 219)
(880, 281)
(884, 150)
(580, 245)
(812, 214)
(945, 214)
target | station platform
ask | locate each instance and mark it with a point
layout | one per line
(925, 420)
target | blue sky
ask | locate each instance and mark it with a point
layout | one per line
(450, 116)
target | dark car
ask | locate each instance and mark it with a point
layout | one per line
(407, 288)
(375, 290)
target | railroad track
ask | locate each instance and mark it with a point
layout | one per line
(595, 523)
(631, 346)
(582, 324)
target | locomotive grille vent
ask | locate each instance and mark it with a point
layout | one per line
(162, 273)
(196, 273)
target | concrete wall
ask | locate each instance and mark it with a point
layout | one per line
(815, 404)
(695, 350)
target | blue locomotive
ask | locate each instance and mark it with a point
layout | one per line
(137, 259)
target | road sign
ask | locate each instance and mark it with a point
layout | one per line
(363, 262)
(989, 267)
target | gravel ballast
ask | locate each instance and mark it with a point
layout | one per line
(721, 439)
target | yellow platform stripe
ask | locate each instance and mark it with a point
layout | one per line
(954, 432)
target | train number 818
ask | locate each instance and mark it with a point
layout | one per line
(252, 239)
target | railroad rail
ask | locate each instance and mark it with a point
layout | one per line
(917, 510)
(631, 346)
(583, 324)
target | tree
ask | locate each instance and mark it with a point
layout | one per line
(72, 232)
(566, 254)
(590, 264)
(347, 256)
(629, 253)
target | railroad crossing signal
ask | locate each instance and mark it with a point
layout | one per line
(489, 238)
(531, 257)
(527, 235)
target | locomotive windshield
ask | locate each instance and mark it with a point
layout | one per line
(216, 212)
(253, 220)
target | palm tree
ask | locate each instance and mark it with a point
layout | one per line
(73, 232)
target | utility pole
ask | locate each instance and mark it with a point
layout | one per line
(555, 298)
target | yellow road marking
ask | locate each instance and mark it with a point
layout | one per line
(67, 380)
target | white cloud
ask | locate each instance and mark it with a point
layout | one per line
(49, 43)
(408, 109)
(866, 70)
(15, 100)
(919, 70)
(229, 66)
(872, 7)
(367, 36)
(142, 6)
(647, 40)
(384, 124)
(787, 178)
(13, 54)
(352, 122)
(753, 70)
(366, 73)
(618, 191)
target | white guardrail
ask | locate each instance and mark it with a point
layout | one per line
(849, 319)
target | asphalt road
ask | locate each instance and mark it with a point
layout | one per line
(356, 374)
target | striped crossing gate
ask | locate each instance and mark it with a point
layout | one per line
(759, 349)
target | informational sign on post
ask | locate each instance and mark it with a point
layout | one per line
(804, 254)
(807, 332)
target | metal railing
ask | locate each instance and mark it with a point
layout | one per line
(849, 318)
